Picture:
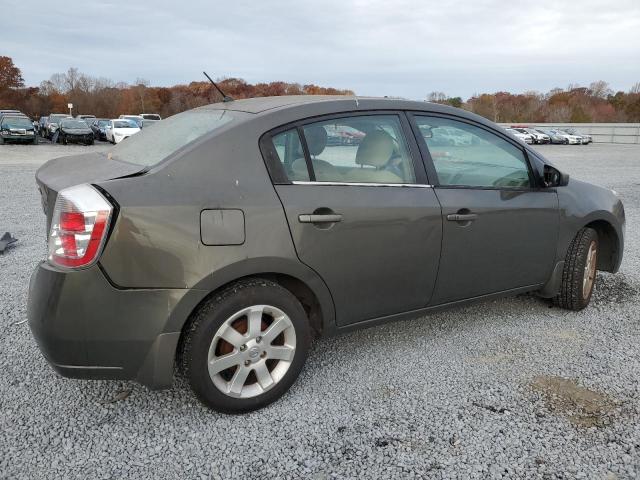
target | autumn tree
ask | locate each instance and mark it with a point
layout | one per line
(10, 75)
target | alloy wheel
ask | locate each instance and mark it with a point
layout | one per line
(589, 270)
(251, 351)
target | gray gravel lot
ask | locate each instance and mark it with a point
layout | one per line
(509, 388)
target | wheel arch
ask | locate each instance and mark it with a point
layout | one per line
(608, 245)
(294, 276)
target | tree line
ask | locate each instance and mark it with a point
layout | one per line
(103, 97)
(597, 103)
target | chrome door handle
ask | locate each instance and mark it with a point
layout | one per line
(462, 217)
(315, 218)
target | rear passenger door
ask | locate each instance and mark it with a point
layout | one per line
(500, 230)
(360, 210)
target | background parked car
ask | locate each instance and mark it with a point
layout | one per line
(135, 118)
(11, 113)
(42, 125)
(53, 122)
(571, 139)
(586, 139)
(555, 138)
(86, 118)
(150, 116)
(148, 123)
(98, 128)
(525, 137)
(73, 130)
(17, 128)
(119, 129)
(538, 137)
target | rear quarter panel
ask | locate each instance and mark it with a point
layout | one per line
(156, 241)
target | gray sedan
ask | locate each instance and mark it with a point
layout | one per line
(225, 238)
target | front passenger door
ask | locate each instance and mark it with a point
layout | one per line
(499, 229)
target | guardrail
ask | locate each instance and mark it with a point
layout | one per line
(600, 132)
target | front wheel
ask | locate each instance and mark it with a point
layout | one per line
(579, 273)
(246, 346)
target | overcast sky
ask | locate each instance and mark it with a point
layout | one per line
(396, 48)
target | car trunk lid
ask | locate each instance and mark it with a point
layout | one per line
(61, 173)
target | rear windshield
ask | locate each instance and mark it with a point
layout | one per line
(152, 145)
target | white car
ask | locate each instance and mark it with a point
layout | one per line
(119, 129)
(571, 139)
(586, 139)
(525, 137)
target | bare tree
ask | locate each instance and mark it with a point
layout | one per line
(437, 97)
(141, 89)
(600, 89)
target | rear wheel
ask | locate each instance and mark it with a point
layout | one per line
(580, 269)
(246, 346)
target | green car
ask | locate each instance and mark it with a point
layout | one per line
(17, 128)
(225, 238)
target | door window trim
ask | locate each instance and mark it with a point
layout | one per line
(279, 176)
(430, 166)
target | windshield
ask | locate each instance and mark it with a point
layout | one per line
(124, 124)
(16, 122)
(152, 145)
(74, 124)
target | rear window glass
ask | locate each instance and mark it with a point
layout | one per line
(152, 145)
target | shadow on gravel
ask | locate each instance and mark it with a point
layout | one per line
(613, 289)
(582, 406)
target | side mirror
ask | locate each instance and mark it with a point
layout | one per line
(554, 177)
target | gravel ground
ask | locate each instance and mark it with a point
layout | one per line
(509, 388)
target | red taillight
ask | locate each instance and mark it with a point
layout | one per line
(79, 226)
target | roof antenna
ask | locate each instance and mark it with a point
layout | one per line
(225, 98)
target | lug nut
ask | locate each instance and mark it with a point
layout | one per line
(263, 354)
(247, 363)
(243, 348)
(258, 339)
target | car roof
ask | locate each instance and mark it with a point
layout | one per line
(308, 105)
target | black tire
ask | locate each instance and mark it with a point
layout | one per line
(204, 324)
(572, 295)
(1, 141)
(35, 141)
(63, 140)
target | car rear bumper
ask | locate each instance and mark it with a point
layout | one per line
(87, 328)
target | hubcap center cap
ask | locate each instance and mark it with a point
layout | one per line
(253, 353)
